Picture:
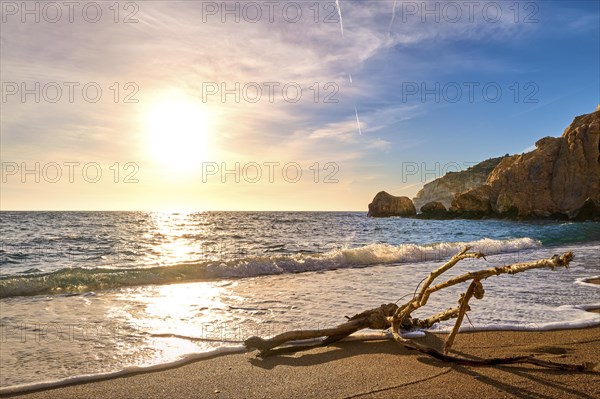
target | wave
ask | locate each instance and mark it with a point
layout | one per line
(79, 280)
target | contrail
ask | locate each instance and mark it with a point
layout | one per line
(337, 4)
(357, 121)
(393, 17)
(355, 110)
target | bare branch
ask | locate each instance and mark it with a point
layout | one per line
(421, 300)
(474, 288)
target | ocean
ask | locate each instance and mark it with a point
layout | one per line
(85, 295)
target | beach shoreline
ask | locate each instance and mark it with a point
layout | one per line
(370, 369)
(361, 368)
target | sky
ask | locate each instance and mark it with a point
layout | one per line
(277, 105)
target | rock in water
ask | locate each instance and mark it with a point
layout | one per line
(433, 207)
(385, 205)
(474, 203)
(434, 210)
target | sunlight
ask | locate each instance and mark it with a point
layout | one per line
(174, 306)
(175, 230)
(170, 312)
(179, 131)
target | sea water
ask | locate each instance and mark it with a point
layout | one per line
(85, 295)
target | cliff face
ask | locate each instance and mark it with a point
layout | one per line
(554, 180)
(445, 188)
(559, 179)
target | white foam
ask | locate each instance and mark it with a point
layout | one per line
(584, 281)
(120, 373)
(368, 255)
(253, 266)
(581, 318)
(86, 378)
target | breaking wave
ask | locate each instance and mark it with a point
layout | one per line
(79, 280)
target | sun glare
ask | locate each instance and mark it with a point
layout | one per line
(179, 132)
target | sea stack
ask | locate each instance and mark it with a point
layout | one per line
(385, 205)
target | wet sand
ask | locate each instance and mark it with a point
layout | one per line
(375, 369)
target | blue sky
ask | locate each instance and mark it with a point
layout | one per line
(548, 54)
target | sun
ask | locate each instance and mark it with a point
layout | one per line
(179, 131)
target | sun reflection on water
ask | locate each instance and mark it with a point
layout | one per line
(178, 319)
(174, 320)
(178, 236)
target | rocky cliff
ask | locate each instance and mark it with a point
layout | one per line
(446, 187)
(559, 179)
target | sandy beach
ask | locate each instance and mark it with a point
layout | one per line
(375, 369)
(183, 182)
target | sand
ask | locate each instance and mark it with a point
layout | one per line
(375, 369)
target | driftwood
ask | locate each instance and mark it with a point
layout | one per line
(398, 318)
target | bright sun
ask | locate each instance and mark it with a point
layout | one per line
(179, 130)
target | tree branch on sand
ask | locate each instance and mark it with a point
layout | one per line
(398, 317)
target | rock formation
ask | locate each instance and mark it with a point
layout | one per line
(559, 179)
(434, 210)
(473, 203)
(446, 187)
(589, 211)
(385, 204)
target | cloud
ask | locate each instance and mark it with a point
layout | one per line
(180, 45)
(379, 144)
